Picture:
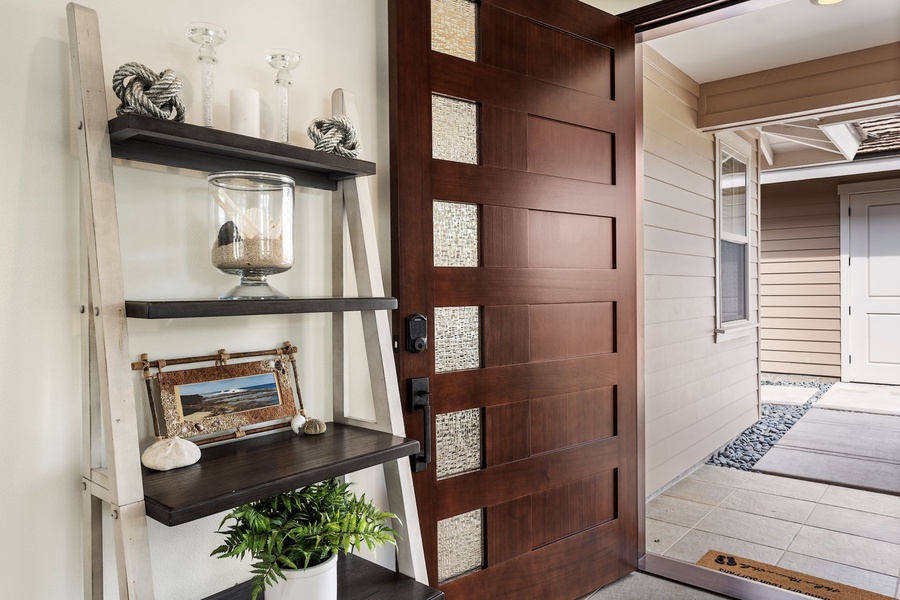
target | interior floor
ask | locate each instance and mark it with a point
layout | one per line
(846, 535)
(643, 586)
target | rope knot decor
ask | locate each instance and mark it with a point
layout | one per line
(144, 92)
(335, 134)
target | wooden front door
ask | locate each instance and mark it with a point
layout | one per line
(514, 234)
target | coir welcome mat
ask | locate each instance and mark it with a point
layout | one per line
(785, 579)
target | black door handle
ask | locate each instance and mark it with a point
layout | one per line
(419, 399)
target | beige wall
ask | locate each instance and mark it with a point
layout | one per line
(699, 393)
(800, 275)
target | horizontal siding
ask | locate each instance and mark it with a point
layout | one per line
(806, 266)
(804, 369)
(800, 284)
(699, 393)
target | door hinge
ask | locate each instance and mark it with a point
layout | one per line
(849, 359)
(848, 211)
(849, 310)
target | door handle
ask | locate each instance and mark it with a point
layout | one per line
(419, 399)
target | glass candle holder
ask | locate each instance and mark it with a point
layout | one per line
(283, 60)
(251, 217)
(208, 36)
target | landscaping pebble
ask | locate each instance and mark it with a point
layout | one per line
(775, 420)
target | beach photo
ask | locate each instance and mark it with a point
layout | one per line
(197, 401)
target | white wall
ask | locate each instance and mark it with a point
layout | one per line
(162, 216)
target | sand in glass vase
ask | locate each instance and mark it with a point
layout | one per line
(283, 60)
(208, 35)
(251, 229)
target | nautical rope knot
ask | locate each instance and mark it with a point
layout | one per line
(144, 92)
(336, 134)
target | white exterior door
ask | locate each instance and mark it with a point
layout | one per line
(871, 337)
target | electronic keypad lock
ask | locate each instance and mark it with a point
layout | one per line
(416, 333)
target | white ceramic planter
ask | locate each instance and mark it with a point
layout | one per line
(315, 583)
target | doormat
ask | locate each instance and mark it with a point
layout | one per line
(785, 579)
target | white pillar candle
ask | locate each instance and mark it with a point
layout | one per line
(245, 111)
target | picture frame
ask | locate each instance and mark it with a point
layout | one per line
(223, 401)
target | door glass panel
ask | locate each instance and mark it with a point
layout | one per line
(458, 442)
(454, 129)
(460, 545)
(455, 234)
(457, 338)
(454, 28)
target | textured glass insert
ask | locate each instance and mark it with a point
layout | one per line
(455, 235)
(458, 442)
(454, 129)
(453, 27)
(460, 545)
(457, 338)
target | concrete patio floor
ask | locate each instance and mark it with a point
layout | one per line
(862, 397)
(842, 534)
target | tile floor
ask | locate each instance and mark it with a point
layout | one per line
(837, 533)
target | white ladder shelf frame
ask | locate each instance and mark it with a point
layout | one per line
(108, 396)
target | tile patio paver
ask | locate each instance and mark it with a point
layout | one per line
(699, 491)
(677, 511)
(765, 531)
(854, 522)
(769, 505)
(867, 580)
(782, 486)
(843, 548)
(662, 536)
(694, 544)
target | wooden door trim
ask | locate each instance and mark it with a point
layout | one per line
(410, 156)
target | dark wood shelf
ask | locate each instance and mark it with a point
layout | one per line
(258, 467)
(358, 579)
(182, 309)
(161, 142)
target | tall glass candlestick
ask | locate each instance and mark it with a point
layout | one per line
(283, 60)
(208, 36)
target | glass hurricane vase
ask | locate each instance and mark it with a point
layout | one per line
(251, 218)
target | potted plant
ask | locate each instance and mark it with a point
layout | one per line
(294, 538)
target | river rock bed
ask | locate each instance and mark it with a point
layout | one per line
(775, 420)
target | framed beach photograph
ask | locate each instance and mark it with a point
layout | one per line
(200, 402)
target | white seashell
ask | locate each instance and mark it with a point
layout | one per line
(297, 422)
(168, 454)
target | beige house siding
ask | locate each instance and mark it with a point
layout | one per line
(800, 292)
(800, 278)
(699, 393)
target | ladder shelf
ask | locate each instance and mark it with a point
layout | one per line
(250, 469)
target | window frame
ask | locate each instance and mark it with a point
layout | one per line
(741, 150)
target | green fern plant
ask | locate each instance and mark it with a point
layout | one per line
(300, 529)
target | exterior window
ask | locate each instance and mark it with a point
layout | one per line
(733, 243)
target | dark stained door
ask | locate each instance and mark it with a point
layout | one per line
(514, 232)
